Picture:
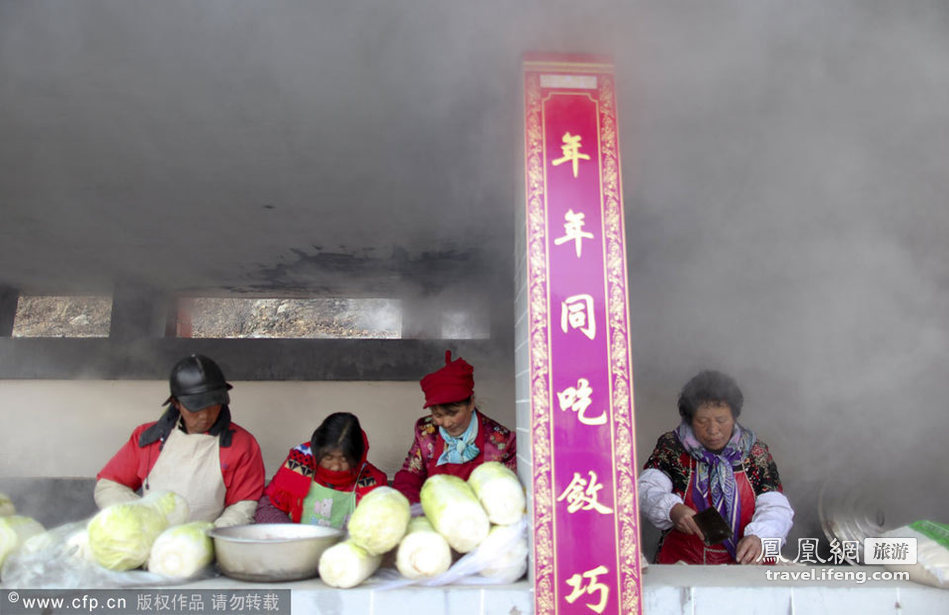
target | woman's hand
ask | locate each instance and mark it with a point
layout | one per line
(748, 550)
(681, 515)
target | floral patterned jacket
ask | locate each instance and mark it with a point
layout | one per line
(671, 458)
(495, 441)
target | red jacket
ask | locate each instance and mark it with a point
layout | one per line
(495, 442)
(291, 483)
(242, 466)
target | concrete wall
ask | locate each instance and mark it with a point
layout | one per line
(58, 428)
(64, 431)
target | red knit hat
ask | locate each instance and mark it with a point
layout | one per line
(452, 383)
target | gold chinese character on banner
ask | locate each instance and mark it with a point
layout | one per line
(581, 495)
(578, 399)
(577, 312)
(593, 586)
(571, 152)
(573, 230)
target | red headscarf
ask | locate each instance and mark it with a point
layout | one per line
(344, 480)
(454, 382)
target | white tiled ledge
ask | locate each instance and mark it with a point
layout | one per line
(668, 590)
(313, 597)
(740, 590)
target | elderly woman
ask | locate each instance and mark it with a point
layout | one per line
(710, 460)
(456, 437)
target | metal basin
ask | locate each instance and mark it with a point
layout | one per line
(272, 551)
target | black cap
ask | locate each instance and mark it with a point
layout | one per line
(197, 382)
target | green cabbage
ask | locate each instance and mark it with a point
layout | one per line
(6, 506)
(346, 564)
(183, 550)
(14, 531)
(499, 491)
(121, 535)
(173, 506)
(423, 553)
(453, 508)
(380, 520)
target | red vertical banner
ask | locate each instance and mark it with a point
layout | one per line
(585, 509)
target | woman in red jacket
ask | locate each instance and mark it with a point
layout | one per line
(456, 437)
(322, 480)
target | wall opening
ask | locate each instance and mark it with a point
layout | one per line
(62, 316)
(289, 318)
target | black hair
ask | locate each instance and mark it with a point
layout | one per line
(340, 430)
(713, 387)
(455, 404)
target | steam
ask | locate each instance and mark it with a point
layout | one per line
(784, 176)
(785, 224)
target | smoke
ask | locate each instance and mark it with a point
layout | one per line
(783, 163)
(785, 223)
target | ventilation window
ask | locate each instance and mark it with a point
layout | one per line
(346, 318)
(46, 316)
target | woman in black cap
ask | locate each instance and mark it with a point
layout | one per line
(193, 449)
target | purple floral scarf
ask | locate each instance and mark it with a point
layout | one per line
(714, 474)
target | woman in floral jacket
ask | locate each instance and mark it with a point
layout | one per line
(456, 437)
(710, 461)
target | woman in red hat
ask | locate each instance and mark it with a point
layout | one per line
(456, 437)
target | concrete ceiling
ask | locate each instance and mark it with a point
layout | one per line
(266, 146)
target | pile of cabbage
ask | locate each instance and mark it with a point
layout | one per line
(15, 530)
(151, 533)
(471, 530)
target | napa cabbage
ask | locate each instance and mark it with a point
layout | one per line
(453, 508)
(183, 550)
(380, 520)
(77, 545)
(173, 506)
(6, 506)
(423, 553)
(499, 491)
(16, 530)
(505, 552)
(121, 535)
(346, 564)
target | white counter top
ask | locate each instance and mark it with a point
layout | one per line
(672, 590)
(667, 590)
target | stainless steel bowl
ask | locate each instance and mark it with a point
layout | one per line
(850, 513)
(272, 551)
